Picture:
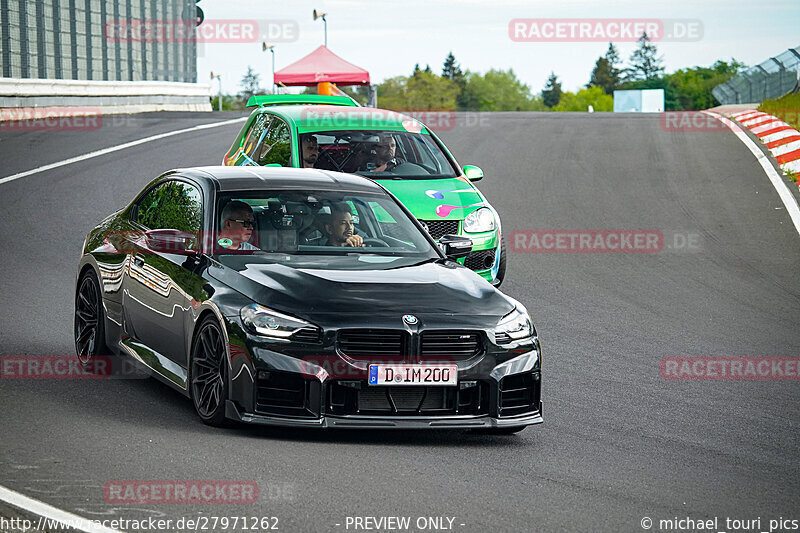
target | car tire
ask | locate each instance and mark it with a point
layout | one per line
(501, 270)
(89, 323)
(208, 373)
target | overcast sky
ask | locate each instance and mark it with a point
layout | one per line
(388, 37)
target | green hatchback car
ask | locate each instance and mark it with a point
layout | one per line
(395, 150)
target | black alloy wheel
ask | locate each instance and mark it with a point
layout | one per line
(208, 373)
(89, 323)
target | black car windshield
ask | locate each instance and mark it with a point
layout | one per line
(376, 154)
(316, 229)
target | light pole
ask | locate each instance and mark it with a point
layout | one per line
(271, 48)
(219, 98)
(319, 15)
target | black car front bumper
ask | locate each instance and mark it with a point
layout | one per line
(287, 391)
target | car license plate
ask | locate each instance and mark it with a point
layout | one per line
(413, 374)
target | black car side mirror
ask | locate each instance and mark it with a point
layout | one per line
(455, 246)
(171, 241)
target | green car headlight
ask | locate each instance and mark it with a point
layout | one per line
(480, 220)
(269, 323)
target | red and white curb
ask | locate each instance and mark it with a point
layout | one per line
(777, 179)
(781, 139)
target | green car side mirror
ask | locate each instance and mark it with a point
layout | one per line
(473, 173)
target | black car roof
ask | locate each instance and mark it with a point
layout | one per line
(245, 178)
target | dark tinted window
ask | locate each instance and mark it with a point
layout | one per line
(171, 205)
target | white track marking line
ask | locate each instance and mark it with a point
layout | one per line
(116, 148)
(780, 185)
(41, 509)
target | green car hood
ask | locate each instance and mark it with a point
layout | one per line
(436, 199)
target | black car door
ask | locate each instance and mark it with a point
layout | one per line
(159, 281)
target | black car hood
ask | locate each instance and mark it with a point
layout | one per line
(447, 294)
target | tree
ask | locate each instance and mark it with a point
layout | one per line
(250, 84)
(606, 74)
(392, 93)
(451, 70)
(498, 90)
(645, 63)
(551, 93)
(690, 88)
(426, 90)
(592, 96)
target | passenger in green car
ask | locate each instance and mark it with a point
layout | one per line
(309, 150)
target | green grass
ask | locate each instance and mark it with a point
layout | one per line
(786, 108)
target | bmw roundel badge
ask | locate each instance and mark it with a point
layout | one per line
(410, 319)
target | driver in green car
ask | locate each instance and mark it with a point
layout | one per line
(385, 159)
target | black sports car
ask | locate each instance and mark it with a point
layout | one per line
(303, 297)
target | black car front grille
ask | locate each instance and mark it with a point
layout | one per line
(287, 394)
(439, 228)
(358, 398)
(480, 260)
(519, 393)
(373, 343)
(308, 334)
(456, 345)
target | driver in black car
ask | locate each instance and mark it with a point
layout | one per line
(339, 227)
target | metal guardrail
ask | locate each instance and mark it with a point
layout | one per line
(773, 78)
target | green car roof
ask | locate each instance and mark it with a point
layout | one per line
(318, 99)
(312, 118)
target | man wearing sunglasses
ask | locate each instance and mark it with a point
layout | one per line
(237, 226)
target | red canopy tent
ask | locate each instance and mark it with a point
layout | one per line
(322, 66)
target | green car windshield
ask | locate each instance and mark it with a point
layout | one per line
(318, 229)
(376, 154)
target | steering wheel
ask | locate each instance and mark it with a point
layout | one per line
(371, 241)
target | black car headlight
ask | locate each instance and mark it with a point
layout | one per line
(270, 323)
(514, 326)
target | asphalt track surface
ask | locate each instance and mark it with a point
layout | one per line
(619, 443)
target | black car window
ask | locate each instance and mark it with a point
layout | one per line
(171, 205)
(276, 146)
